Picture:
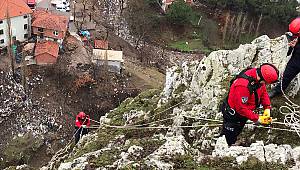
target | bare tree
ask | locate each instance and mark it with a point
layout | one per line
(121, 5)
(84, 3)
(243, 26)
(10, 42)
(231, 29)
(237, 26)
(258, 25)
(250, 26)
(226, 26)
(139, 20)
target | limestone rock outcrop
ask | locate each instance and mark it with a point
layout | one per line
(171, 130)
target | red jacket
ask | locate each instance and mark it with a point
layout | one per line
(242, 102)
(79, 122)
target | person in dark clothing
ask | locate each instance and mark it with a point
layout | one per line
(82, 122)
(247, 91)
(293, 66)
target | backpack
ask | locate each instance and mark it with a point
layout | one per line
(252, 85)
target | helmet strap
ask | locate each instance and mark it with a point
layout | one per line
(258, 71)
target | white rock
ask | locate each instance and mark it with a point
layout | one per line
(133, 152)
(241, 159)
(65, 166)
(269, 153)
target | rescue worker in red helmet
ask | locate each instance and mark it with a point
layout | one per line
(247, 91)
(82, 123)
(293, 66)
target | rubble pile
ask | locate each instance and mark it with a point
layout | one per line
(29, 116)
(12, 94)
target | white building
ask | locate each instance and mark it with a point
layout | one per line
(114, 59)
(20, 19)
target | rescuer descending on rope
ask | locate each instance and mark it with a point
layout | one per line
(293, 66)
(247, 92)
(81, 124)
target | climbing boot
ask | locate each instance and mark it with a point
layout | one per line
(240, 142)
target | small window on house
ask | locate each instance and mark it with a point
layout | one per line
(25, 16)
(25, 36)
(40, 29)
(55, 33)
(1, 32)
(2, 41)
(25, 26)
(1, 22)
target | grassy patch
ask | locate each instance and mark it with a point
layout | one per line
(104, 137)
(180, 45)
(21, 149)
(106, 158)
(202, 35)
(181, 88)
(254, 163)
(141, 133)
(145, 101)
(178, 70)
(166, 109)
(219, 163)
(148, 144)
(183, 162)
(244, 39)
(11, 168)
(229, 163)
(187, 45)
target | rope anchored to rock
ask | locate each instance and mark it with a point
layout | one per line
(291, 112)
(220, 123)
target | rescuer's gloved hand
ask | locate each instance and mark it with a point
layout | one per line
(83, 126)
(267, 112)
(265, 120)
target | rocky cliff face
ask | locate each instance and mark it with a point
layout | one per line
(169, 129)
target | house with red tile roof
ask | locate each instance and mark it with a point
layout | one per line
(49, 26)
(167, 3)
(46, 52)
(18, 14)
(101, 44)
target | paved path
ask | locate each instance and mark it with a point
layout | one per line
(44, 4)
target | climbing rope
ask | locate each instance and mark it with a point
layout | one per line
(61, 151)
(133, 127)
(292, 117)
(163, 111)
(291, 112)
(161, 127)
(143, 126)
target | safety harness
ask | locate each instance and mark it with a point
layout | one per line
(230, 113)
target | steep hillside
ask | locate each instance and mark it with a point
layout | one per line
(178, 128)
(39, 117)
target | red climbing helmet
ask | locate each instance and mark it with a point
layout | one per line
(81, 115)
(269, 73)
(294, 26)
